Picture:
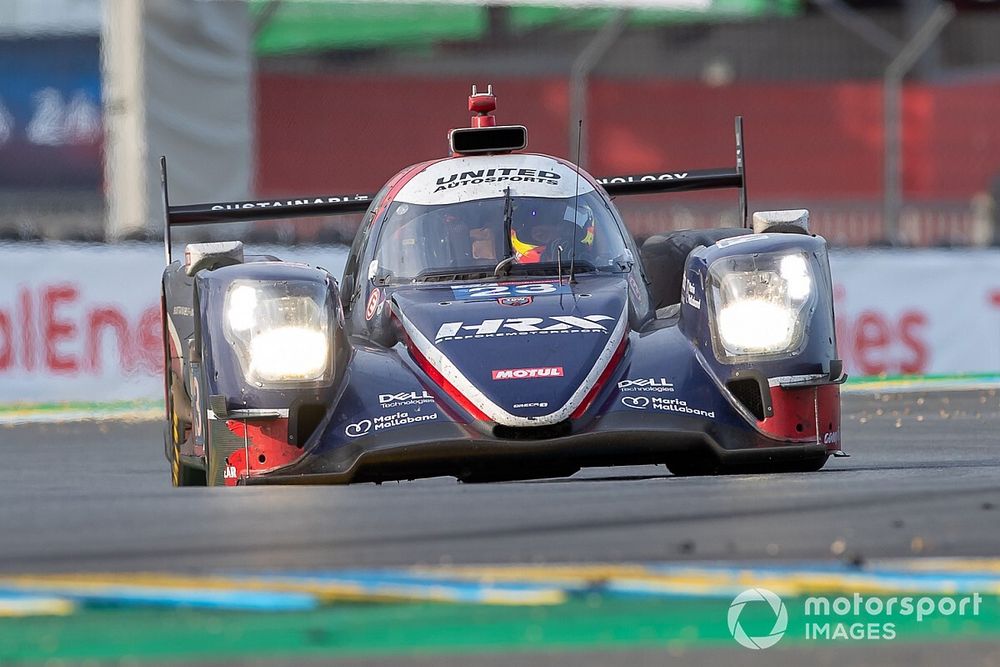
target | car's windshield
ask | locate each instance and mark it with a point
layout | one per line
(419, 241)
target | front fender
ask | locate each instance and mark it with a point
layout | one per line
(696, 312)
(793, 396)
(225, 386)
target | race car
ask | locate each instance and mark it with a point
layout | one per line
(496, 320)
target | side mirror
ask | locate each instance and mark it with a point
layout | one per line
(792, 221)
(347, 291)
(198, 256)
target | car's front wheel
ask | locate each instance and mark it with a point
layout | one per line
(692, 467)
(173, 434)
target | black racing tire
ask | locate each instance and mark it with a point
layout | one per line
(705, 466)
(173, 429)
(514, 473)
(693, 467)
(663, 258)
(805, 464)
(180, 474)
(812, 464)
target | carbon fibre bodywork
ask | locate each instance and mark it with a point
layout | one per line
(388, 411)
(518, 371)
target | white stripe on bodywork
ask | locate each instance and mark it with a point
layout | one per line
(440, 183)
(252, 413)
(792, 380)
(450, 372)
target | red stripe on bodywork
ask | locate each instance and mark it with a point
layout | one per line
(401, 179)
(460, 398)
(441, 381)
(602, 380)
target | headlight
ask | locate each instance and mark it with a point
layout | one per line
(760, 303)
(280, 330)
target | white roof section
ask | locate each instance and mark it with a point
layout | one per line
(486, 176)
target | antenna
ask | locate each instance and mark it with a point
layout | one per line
(166, 209)
(576, 202)
(741, 169)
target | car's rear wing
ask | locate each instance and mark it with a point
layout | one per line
(681, 181)
(271, 209)
(260, 209)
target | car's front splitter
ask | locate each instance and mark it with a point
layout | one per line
(448, 449)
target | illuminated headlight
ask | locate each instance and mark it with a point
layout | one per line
(761, 303)
(280, 330)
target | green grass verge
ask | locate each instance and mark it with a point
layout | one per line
(354, 630)
(930, 379)
(80, 406)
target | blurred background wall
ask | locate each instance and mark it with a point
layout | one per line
(880, 117)
(278, 97)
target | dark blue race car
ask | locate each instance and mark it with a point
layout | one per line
(496, 320)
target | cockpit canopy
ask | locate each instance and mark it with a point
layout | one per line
(451, 219)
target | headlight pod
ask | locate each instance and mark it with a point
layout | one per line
(279, 329)
(760, 304)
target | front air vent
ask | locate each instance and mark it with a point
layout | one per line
(308, 418)
(750, 393)
(559, 430)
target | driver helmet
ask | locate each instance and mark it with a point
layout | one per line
(537, 232)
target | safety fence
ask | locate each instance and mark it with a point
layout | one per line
(80, 324)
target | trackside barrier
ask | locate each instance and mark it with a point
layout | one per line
(81, 324)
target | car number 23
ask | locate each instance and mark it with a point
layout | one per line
(495, 290)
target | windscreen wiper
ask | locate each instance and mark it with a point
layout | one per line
(503, 267)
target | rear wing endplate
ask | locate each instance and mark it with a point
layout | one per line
(636, 184)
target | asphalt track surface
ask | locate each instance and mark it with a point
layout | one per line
(923, 479)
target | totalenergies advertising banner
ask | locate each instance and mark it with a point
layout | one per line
(906, 312)
(82, 323)
(79, 323)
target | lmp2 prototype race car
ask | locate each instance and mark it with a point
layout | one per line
(495, 321)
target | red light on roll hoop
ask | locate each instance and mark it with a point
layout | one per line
(483, 104)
